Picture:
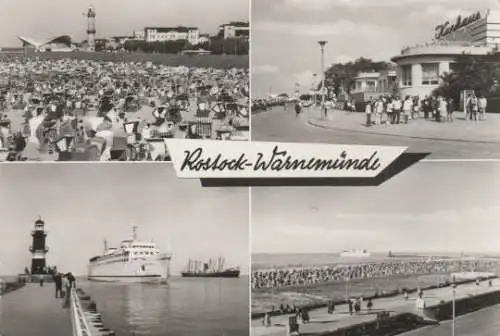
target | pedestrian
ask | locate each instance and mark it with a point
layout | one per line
(67, 291)
(368, 112)
(369, 305)
(58, 284)
(349, 303)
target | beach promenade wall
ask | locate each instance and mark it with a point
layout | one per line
(444, 311)
(202, 61)
(396, 292)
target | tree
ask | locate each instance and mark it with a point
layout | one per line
(342, 75)
(478, 73)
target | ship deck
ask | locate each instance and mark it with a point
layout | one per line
(34, 311)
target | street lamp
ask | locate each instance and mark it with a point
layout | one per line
(454, 286)
(322, 45)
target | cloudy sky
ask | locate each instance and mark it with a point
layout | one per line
(48, 18)
(431, 207)
(285, 34)
(83, 204)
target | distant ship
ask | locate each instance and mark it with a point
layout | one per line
(355, 254)
(214, 268)
(133, 261)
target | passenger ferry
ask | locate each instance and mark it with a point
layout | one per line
(355, 254)
(133, 261)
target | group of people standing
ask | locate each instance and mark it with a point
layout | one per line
(392, 110)
(63, 284)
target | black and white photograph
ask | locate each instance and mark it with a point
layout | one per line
(418, 255)
(422, 74)
(104, 249)
(111, 80)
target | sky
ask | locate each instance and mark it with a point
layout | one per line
(430, 207)
(285, 34)
(83, 204)
(49, 18)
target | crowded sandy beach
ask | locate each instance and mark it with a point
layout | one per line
(95, 110)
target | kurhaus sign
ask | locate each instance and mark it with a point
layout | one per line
(445, 28)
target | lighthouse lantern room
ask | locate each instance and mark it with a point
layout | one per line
(39, 249)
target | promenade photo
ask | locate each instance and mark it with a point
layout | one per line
(112, 80)
(414, 74)
(102, 250)
(415, 256)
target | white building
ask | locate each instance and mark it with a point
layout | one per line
(235, 30)
(368, 85)
(162, 34)
(420, 67)
(139, 35)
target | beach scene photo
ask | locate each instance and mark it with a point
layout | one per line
(417, 255)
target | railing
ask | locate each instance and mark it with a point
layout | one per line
(85, 319)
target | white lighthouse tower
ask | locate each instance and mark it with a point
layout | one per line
(91, 28)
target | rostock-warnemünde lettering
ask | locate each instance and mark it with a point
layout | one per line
(279, 160)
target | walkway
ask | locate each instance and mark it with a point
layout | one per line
(460, 130)
(34, 311)
(321, 321)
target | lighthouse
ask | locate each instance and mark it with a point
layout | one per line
(38, 249)
(91, 28)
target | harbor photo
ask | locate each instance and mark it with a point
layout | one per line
(419, 74)
(112, 80)
(125, 250)
(417, 255)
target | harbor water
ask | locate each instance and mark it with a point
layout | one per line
(185, 306)
(208, 307)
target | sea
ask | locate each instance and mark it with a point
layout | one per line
(194, 306)
(266, 261)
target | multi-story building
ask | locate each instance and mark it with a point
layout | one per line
(235, 30)
(163, 34)
(368, 85)
(421, 67)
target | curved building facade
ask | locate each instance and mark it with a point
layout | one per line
(420, 67)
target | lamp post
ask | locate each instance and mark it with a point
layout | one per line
(453, 310)
(322, 45)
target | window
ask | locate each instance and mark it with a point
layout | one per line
(370, 86)
(430, 73)
(406, 75)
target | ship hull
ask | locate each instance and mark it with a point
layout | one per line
(225, 274)
(147, 270)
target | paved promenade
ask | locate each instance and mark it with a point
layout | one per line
(34, 311)
(461, 130)
(322, 322)
(458, 140)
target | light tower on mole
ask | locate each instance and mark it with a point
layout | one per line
(91, 28)
(38, 249)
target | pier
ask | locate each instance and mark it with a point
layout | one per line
(438, 303)
(33, 310)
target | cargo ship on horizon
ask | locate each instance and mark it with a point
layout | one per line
(214, 268)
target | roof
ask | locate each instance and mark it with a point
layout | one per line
(239, 24)
(62, 39)
(180, 29)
